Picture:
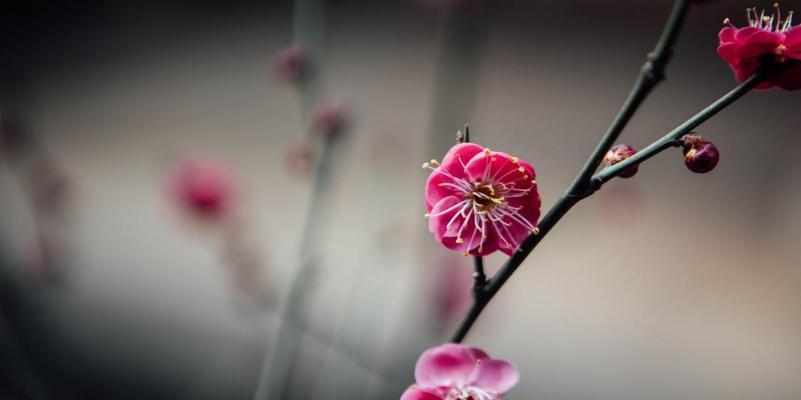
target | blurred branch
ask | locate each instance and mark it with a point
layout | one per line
(277, 370)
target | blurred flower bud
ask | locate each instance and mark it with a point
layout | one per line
(618, 153)
(204, 187)
(291, 65)
(700, 155)
(331, 118)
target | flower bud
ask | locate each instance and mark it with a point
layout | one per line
(618, 153)
(700, 155)
(291, 65)
(331, 118)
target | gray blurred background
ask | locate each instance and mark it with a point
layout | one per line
(669, 285)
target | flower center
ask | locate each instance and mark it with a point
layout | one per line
(486, 196)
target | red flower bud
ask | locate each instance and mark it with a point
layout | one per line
(618, 153)
(700, 155)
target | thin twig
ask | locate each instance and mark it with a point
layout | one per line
(652, 72)
(671, 138)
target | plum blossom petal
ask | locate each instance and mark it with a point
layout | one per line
(453, 371)
(416, 394)
(496, 375)
(766, 41)
(449, 365)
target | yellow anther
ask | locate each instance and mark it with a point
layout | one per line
(533, 182)
(434, 163)
(514, 160)
(487, 151)
(525, 176)
(459, 240)
(776, 4)
(536, 230)
(464, 254)
(726, 21)
(426, 165)
(521, 169)
(426, 215)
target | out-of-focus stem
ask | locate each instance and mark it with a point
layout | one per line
(275, 379)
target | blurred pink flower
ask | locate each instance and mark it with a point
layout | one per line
(453, 372)
(767, 40)
(290, 64)
(480, 201)
(202, 186)
(330, 118)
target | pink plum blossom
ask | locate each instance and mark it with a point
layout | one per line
(767, 40)
(290, 64)
(202, 186)
(330, 118)
(456, 372)
(479, 200)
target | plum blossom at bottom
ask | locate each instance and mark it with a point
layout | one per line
(456, 372)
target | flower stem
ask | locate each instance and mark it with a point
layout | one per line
(652, 72)
(671, 138)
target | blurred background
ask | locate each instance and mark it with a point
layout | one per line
(155, 181)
